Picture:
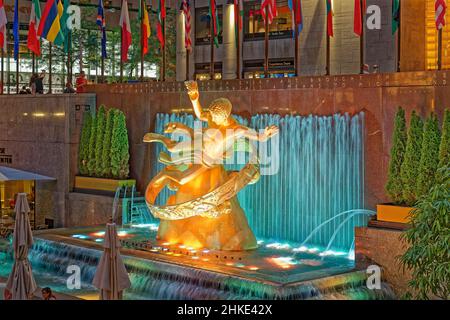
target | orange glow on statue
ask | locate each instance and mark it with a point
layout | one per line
(205, 212)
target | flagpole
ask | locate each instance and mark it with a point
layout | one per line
(399, 37)
(328, 55)
(163, 78)
(50, 68)
(121, 59)
(361, 39)
(211, 31)
(266, 45)
(439, 59)
(33, 62)
(187, 64)
(69, 58)
(17, 74)
(142, 41)
(238, 41)
(296, 41)
(2, 79)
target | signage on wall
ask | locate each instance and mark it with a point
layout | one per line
(5, 158)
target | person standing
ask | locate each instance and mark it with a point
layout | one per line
(39, 82)
(33, 83)
(81, 82)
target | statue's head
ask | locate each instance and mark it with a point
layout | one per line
(220, 110)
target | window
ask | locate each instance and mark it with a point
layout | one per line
(281, 26)
(203, 25)
(202, 71)
(278, 68)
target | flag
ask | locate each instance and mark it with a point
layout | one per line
(214, 19)
(440, 7)
(271, 7)
(330, 32)
(65, 31)
(297, 16)
(49, 25)
(16, 30)
(358, 15)
(33, 39)
(187, 25)
(395, 15)
(126, 31)
(160, 24)
(101, 22)
(238, 13)
(3, 22)
(145, 27)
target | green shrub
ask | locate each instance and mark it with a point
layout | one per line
(91, 152)
(428, 255)
(410, 166)
(83, 153)
(394, 186)
(100, 136)
(429, 159)
(106, 151)
(444, 149)
(119, 147)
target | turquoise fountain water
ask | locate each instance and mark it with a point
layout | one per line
(321, 175)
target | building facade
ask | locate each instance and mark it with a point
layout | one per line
(381, 51)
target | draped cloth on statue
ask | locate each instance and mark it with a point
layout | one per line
(229, 231)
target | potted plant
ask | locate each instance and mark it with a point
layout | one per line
(393, 212)
(104, 153)
(411, 169)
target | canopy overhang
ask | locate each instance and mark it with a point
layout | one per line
(10, 174)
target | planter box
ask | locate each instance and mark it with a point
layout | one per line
(101, 184)
(393, 213)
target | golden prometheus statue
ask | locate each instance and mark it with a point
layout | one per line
(204, 212)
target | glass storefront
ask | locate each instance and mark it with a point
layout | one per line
(278, 68)
(8, 196)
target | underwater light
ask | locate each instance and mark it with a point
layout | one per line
(98, 240)
(300, 249)
(205, 259)
(283, 262)
(166, 244)
(351, 255)
(260, 242)
(229, 264)
(151, 226)
(313, 250)
(278, 246)
(253, 268)
(195, 258)
(240, 265)
(205, 251)
(99, 234)
(122, 233)
(80, 236)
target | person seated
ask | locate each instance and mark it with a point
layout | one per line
(24, 90)
(69, 88)
(47, 294)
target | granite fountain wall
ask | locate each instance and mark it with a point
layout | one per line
(378, 95)
(41, 134)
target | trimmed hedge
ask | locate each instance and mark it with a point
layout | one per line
(410, 166)
(394, 186)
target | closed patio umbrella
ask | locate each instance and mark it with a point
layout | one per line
(111, 277)
(21, 282)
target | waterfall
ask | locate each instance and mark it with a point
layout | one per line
(321, 174)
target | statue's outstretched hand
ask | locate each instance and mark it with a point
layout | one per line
(271, 131)
(192, 88)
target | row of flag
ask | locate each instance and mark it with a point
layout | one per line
(52, 23)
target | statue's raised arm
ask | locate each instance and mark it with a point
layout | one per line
(194, 95)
